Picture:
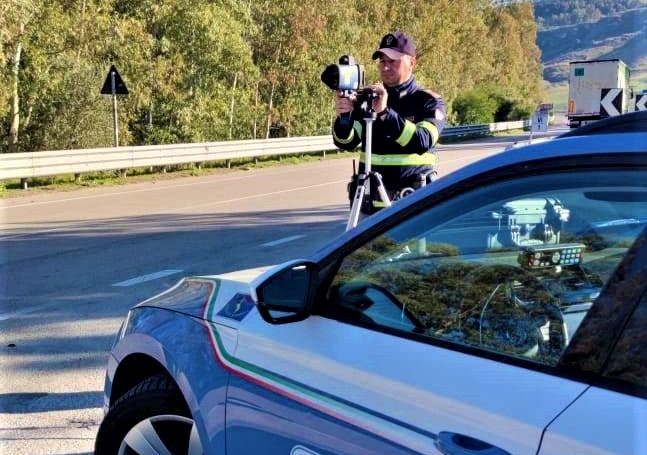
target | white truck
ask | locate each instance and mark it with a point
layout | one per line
(597, 89)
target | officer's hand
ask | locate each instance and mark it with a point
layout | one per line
(379, 102)
(344, 104)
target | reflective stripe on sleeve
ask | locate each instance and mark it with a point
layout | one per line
(407, 133)
(412, 159)
(359, 129)
(349, 139)
(433, 130)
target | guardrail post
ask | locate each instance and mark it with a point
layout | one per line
(23, 183)
(77, 178)
(228, 164)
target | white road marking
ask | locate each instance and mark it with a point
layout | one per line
(251, 174)
(476, 147)
(149, 277)
(465, 158)
(183, 208)
(283, 240)
(220, 179)
(255, 196)
(25, 234)
(44, 306)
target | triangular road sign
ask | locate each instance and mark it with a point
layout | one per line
(120, 85)
(611, 102)
(641, 103)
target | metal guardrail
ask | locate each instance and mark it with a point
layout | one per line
(483, 129)
(39, 164)
(465, 130)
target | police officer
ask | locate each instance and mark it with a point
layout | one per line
(408, 125)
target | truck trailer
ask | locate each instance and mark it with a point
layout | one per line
(597, 89)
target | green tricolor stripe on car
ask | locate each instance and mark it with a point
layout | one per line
(336, 407)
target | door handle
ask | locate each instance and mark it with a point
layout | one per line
(449, 443)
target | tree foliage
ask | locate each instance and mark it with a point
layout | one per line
(202, 70)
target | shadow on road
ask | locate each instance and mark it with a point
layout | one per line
(61, 308)
(20, 403)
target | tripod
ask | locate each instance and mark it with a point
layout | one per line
(367, 175)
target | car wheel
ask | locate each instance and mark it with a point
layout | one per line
(151, 418)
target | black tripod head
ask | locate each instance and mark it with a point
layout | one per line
(364, 102)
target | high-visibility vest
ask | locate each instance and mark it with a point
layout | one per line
(399, 159)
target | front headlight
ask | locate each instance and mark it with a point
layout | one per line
(122, 330)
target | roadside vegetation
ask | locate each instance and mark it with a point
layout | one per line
(199, 70)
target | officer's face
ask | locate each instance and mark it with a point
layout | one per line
(395, 72)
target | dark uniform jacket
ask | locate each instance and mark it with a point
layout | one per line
(403, 136)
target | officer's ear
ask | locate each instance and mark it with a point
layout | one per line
(413, 62)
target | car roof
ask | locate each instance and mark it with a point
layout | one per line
(628, 135)
(634, 122)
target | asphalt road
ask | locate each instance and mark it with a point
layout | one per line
(72, 263)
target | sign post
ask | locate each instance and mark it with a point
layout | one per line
(114, 85)
(115, 123)
(539, 120)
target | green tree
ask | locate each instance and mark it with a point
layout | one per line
(516, 65)
(199, 70)
(197, 63)
(474, 107)
(15, 17)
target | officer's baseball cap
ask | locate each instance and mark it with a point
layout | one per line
(395, 45)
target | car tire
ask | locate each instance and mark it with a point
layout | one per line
(151, 413)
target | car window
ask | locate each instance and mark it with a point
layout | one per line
(628, 362)
(511, 268)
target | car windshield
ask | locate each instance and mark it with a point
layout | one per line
(493, 266)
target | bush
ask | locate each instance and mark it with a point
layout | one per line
(473, 107)
(504, 108)
(488, 104)
(520, 111)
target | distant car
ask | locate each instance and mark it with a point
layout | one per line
(501, 310)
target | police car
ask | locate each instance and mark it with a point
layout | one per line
(501, 310)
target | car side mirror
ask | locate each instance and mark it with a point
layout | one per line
(284, 296)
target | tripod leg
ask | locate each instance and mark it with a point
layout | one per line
(383, 196)
(360, 192)
(381, 191)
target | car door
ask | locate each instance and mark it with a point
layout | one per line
(444, 331)
(611, 416)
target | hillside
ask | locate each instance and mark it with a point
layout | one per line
(555, 13)
(621, 35)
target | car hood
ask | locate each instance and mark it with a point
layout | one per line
(226, 298)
